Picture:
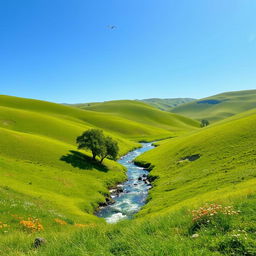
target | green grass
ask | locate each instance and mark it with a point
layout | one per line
(38, 155)
(226, 166)
(42, 178)
(167, 104)
(45, 168)
(146, 115)
(226, 105)
(39, 160)
(162, 104)
(141, 123)
(162, 235)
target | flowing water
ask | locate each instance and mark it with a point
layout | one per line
(134, 190)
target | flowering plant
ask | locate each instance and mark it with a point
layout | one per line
(32, 224)
(213, 209)
(212, 214)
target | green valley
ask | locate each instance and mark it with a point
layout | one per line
(51, 189)
(127, 128)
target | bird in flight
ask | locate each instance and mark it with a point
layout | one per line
(112, 27)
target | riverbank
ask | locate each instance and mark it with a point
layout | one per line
(127, 198)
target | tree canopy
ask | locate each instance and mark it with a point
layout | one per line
(100, 145)
(204, 123)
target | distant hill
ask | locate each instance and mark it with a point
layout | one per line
(162, 104)
(144, 114)
(219, 106)
(167, 104)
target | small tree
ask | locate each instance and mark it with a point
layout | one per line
(204, 123)
(99, 145)
(93, 140)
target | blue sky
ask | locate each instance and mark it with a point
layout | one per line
(64, 51)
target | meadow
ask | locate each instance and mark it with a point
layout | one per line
(203, 196)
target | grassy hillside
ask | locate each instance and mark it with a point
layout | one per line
(218, 107)
(212, 165)
(46, 169)
(141, 123)
(63, 123)
(39, 158)
(162, 104)
(145, 115)
(42, 179)
(167, 104)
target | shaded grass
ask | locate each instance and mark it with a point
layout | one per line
(82, 161)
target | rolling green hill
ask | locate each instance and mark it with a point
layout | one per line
(144, 114)
(167, 104)
(39, 157)
(212, 164)
(218, 107)
(144, 122)
(162, 104)
(44, 176)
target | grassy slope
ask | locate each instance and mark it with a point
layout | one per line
(225, 173)
(146, 115)
(230, 103)
(32, 159)
(226, 167)
(162, 104)
(167, 104)
(115, 125)
(37, 136)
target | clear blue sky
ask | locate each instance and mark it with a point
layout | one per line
(64, 51)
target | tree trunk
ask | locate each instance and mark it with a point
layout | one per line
(101, 160)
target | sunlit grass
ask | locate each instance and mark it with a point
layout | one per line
(49, 189)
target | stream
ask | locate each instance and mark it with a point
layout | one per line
(131, 195)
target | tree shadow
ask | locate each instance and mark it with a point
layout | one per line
(82, 161)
